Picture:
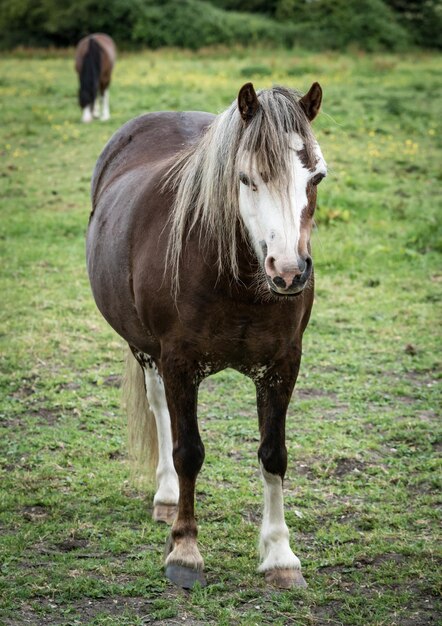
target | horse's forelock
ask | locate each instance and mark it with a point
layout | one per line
(267, 137)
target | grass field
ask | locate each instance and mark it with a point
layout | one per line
(77, 545)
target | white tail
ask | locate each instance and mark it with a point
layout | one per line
(142, 430)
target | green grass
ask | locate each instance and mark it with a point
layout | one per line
(77, 545)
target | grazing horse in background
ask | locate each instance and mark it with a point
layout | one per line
(198, 252)
(94, 60)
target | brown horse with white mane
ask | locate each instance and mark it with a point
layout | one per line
(198, 253)
(94, 61)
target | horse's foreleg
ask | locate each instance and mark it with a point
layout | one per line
(280, 565)
(167, 494)
(184, 563)
(278, 562)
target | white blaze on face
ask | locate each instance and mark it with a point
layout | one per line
(273, 218)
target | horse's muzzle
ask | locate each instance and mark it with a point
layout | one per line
(279, 285)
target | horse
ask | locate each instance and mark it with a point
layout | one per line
(199, 257)
(94, 60)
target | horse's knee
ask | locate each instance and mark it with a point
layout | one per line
(273, 458)
(188, 458)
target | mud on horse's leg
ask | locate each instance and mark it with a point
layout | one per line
(279, 564)
(184, 563)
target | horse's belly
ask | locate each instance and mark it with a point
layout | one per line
(109, 262)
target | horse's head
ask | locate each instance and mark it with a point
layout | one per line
(278, 172)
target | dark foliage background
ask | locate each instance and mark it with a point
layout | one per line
(316, 24)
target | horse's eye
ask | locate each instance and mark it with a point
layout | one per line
(244, 179)
(247, 181)
(317, 179)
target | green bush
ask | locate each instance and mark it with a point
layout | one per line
(50, 22)
(337, 24)
(422, 18)
(195, 24)
(185, 23)
(370, 24)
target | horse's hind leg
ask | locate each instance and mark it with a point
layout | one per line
(96, 108)
(105, 111)
(86, 116)
(167, 494)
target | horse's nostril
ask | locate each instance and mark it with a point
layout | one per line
(307, 265)
(279, 282)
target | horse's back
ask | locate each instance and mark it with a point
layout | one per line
(107, 45)
(149, 142)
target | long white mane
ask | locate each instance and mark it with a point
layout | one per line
(205, 180)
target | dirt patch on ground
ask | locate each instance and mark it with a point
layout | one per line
(70, 386)
(36, 512)
(429, 416)
(423, 613)
(345, 466)
(339, 468)
(26, 389)
(68, 545)
(117, 455)
(15, 423)
(47, 613)
(43, 612)
(303, 393)
(424, 378)
(326, 614)
(46, 417)
(114, 380)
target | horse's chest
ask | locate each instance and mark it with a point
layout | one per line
(243, 341)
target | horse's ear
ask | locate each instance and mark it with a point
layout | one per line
(311, 102)
(247, 102)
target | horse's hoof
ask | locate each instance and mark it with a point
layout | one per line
(285, 578)
(164, 513)
(185, 577)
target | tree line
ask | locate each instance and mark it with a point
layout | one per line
(393, 25)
